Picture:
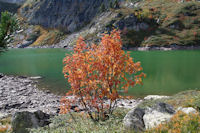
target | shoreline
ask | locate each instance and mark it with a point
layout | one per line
(170, 48)
(19, 93)
(152, 48)
(150, 111)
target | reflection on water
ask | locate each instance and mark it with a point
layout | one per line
(168, 72)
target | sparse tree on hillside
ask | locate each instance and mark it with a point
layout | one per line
(116, 4)
(110, 4)
(102, 7)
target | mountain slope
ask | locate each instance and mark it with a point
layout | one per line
(146, 23)
(67, 15)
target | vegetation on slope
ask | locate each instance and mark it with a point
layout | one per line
(174, 23)
(8, 25)
(170, 23)
(43, 36)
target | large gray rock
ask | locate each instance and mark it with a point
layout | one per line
(134, 120)
(141, 119)
(160, 113)
(21, 121)
(153, 118)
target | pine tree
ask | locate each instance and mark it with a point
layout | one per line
(102, 7)
(116, 4)
(111, 4)
(8, 25)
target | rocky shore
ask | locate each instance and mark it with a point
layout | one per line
(18, 93)
(158, 48)
(21, 94)
(32, 108)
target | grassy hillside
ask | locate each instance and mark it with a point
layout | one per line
(172, 23)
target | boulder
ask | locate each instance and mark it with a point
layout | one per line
(134, 120)
(158, 114)
(140, 119)
(21, 121)
(153, 118)
(1, 75)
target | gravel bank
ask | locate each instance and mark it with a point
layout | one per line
(22, 94)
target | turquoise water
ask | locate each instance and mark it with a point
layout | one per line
(168, 72)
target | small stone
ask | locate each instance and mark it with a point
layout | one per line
(187, 110)
(1, 75)
(154, 97)
(36, 77)
(3, 115)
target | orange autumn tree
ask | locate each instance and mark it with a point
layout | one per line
(96, 75)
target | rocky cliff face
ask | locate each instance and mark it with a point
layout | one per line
(13, 1)
(11, 7)
(68, 15)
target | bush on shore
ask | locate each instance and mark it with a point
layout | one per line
(97, 73)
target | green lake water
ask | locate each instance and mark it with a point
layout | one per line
(168, 72)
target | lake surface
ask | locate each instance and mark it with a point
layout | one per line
(168, 72)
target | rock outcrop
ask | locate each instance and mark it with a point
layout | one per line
(67, 15)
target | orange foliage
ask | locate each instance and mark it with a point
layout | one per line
(4, 128)
(97, 73)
